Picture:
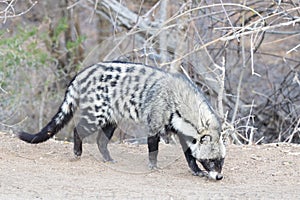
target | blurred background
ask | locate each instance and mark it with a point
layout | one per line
(243, 54)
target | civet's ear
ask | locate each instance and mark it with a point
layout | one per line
(205, 139)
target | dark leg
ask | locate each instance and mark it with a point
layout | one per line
(153, 150)
(102, 140)
(196, 171)
(77, 144)
(82, 130)
(191, 160)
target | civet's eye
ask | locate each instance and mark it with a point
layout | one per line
(194, 141)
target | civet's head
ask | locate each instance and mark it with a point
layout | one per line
(206, 146)
(210, 154)
(201, 129)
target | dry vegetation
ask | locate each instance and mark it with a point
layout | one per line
(243, 54)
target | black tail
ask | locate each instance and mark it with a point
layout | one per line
(60, 119)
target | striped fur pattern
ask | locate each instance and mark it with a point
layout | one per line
(107, 92)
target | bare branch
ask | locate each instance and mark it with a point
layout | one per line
(9, 9)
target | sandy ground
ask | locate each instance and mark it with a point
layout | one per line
(47, 171)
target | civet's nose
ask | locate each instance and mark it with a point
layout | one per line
(219, 177)
(215, 175)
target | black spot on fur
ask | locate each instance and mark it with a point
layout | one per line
(84, 89)
(101, 78)
(98, 96)
(113, 83)
(145, 88)
(105, 89)
(88, 75)
(136, 112)
(118, 69)
(136, 87)
(126, 107)
(87, 112)
(91, 100)
(123, 81)
(136, 78)
(97, 108)
(130, 69)
(106, 98)
(110, 69)
(100, 117)
(114, 94)
(149, 119)
(177, 112)
(142, 71)
(117, 105)
(94, 80)
(108, 77)
(132, 102)
(129, 80)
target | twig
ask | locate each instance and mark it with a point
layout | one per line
(2, 90)
(258, 141)
(74, 4)
(221, 80)
(293, 49)
(11, 126)
(228, 19)
(151, 10)
(235, 110)
(251, 136)
(163, 36)
(236, 107)
(296, 129)
(229, 130)
(174, 18)
(296, 79)
(42, 106)
(227, 37)
(10, 6)
(261, 29)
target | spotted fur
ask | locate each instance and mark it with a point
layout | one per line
(107, 92)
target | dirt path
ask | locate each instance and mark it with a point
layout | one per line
(46, 171)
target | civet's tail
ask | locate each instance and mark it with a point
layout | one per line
(60, 119)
